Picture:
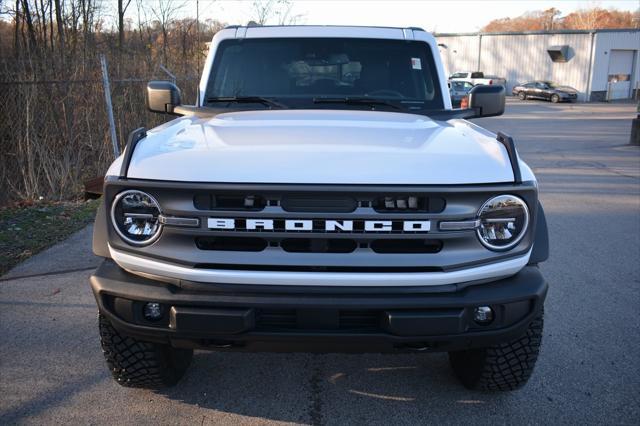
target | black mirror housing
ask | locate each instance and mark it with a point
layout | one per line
(487, 101)
(162, 96)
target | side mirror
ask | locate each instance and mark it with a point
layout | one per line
(487, 101)
(162, 96)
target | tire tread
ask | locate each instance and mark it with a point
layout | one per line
(138, 364)
(504, 367)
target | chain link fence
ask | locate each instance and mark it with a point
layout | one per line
(55, 133)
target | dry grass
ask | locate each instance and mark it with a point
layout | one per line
(29, 228)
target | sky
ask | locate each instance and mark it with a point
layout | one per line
(432, 15)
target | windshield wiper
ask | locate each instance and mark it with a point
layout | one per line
(356, 101)
(248, 100)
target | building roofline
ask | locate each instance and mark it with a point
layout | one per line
(602, 30)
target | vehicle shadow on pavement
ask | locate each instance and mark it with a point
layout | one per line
(326, 388)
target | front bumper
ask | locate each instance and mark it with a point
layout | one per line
(318, 319)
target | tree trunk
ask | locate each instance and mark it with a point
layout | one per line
(120, 25)
(60, 27)
(29, 20)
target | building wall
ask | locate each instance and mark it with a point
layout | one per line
(604, 43)
(523, 57)
(459, 53)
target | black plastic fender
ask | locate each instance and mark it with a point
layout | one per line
(540, 251)
(100, 232)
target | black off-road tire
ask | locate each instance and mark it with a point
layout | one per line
(555, 99)
(137, 364)
(503, 367)
(522, 96)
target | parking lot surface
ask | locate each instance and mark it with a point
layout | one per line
(52, 369)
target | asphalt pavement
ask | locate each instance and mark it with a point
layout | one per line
(52, 369)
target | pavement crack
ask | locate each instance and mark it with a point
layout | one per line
(315, 383)
(45, 274)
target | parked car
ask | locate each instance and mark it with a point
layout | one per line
(478, 77)
(286, 211)
(547, 90)
(458, 90)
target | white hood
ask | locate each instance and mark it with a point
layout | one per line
(320, 147)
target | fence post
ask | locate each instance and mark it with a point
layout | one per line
(107, 98)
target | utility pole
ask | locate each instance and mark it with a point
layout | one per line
(198, 50)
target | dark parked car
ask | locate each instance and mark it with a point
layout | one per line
(545, 90)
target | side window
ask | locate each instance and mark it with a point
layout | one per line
(529, 85)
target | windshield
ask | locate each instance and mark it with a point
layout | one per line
(461, 85)
(324, 73)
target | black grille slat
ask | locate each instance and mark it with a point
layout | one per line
(406, 246)
(317, 245)
(238, 202)
(406, 203)
(318, 204)
(231, 243)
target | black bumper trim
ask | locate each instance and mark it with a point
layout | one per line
(409, 318)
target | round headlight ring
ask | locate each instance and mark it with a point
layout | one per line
(158, 225)
(524, 222)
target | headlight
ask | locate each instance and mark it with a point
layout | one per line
(503, 222)
(136, 217)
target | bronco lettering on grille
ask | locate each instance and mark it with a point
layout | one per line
(318, 225)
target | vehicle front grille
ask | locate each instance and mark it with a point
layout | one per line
(318, 247)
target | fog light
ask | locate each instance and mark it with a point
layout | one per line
(152, 311)
(483, 315)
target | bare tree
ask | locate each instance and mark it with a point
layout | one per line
(583, 19)
(279, 11)
(57, 135)
(122, 9)
(164, 11)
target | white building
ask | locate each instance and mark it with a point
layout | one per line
(600, 64)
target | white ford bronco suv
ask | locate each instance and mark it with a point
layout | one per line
(323, 196)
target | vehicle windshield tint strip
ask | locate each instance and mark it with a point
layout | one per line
(298, 70)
